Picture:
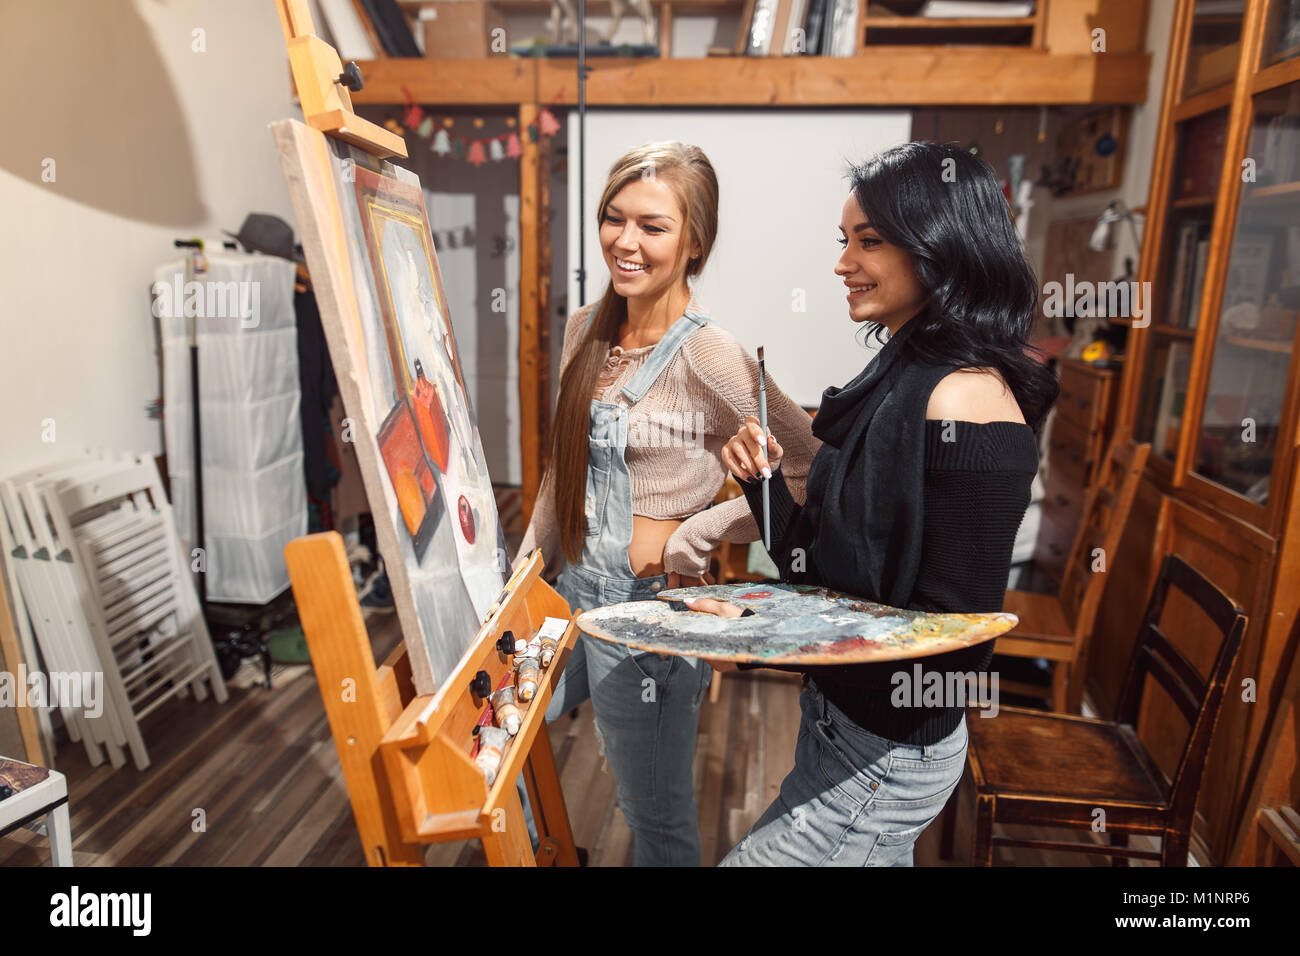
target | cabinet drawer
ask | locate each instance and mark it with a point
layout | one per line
(1070, 451)
(1063, 496)
(1083, 398)
(1055, 538)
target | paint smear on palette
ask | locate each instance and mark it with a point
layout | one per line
(791, 624)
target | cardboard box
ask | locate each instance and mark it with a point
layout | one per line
(461, 29)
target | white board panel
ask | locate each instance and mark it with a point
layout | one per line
(781, 185)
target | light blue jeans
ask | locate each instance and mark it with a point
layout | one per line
(853, 798)
(647, 710)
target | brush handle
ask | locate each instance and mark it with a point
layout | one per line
(762, 423)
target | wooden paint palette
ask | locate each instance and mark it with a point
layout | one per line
(791, 624)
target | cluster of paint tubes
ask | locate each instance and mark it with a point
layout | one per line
(530, 658)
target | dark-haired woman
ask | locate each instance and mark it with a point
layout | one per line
(913, 499)
(650, 391)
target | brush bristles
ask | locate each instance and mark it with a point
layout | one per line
(760, 353)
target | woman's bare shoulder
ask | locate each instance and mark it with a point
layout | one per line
(973, 395)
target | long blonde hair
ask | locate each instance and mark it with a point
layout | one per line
(689, 174)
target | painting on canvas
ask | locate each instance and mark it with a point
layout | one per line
(370, 252)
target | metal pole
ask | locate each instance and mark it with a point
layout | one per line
(582, 153)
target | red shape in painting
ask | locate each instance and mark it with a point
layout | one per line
(466, 519)
(753, 595)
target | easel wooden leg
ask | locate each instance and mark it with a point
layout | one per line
(554, 835)
(505, 839)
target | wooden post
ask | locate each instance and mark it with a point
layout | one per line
(534, 309)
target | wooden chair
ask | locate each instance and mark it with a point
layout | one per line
(1057, 770)
(1057, 627)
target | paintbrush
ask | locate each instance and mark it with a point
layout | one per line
(762, 423)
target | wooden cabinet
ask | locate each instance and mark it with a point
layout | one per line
(1213, 383)
(1080, 432)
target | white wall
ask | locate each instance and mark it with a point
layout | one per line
(151, 141)
(781, 187)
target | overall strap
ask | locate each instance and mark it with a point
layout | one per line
(663, 353)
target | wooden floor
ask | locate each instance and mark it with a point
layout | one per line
(256, 782)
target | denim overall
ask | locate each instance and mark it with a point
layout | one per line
(646, 706)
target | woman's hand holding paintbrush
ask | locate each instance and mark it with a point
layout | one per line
(745, 456)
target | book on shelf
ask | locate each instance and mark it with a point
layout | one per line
(813, 26)
(843, 39)
(1179, 271)
(742, 34)
(789, 17)
(1202, 154)
(760, 28)
(971, 9)
(1198, 281)
(1173, 394)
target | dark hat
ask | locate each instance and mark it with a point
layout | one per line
(262, 232)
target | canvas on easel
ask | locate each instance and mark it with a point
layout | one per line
(366, 232)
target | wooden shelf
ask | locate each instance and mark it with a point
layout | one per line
(1259, 345)
(1174, 332)
(948, 23)
(1193, 202)
(896, 76)
(1289, 192)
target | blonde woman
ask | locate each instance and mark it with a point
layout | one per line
(650, 391)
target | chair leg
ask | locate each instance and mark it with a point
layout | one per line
(1173, 848)
(1119, 839)
(715, 687)
(1060, 687)
(60, 833)
(984, 813)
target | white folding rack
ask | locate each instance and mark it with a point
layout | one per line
(110, 583)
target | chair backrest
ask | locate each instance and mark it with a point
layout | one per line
(1199, 699)
(1105, 512)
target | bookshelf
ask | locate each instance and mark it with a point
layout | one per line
(1214, 383)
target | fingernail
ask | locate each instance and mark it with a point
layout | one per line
(689, 602)
(767, 472)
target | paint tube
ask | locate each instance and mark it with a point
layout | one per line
(549, 646)
(549, 635)
(504, 711)
(491, 746)
(527, 670)
(529, 648)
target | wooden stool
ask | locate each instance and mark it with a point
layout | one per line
(37, 792)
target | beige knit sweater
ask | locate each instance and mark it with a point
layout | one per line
(675, 436)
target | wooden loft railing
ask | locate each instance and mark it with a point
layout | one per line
(890, 76)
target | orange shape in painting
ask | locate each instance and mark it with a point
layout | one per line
(431, 420)
(410, 499)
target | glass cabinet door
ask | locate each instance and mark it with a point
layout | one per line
(1215, 45)
(1245, 395)
(1281, 32)
(1198, 166)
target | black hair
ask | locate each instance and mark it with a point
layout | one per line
(945, 207)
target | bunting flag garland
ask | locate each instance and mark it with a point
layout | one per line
(476, 150)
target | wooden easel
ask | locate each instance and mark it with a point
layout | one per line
(405, 757)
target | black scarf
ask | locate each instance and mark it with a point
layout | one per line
(865, 485)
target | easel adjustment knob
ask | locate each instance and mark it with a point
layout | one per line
(481, 685)
(351, 77)
(506, 643)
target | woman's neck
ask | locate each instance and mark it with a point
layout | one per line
(649, 318)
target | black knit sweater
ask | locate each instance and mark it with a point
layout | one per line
(975, 491)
